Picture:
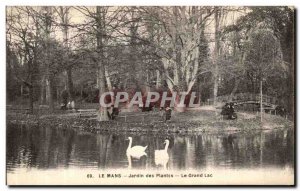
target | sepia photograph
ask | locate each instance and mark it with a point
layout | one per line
(150, 95)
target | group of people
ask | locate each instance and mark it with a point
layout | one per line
(67, 102)
(114, 111)
(228, 111)
(165, 112)
(68, 105)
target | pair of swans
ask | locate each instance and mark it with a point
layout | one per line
(161, 156)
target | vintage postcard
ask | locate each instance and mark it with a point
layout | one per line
(150, 95)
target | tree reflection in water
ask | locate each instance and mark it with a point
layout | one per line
(49, 148)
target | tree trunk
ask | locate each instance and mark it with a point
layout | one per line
(134, 56)
(30, 87)
(241, 63)
(261, 101)
(166, 76)
(47, 84)
(21, 90)
(235, 87)
(109, 85)
(288, 56)
(49, 94)
(215, 56)
(103, 116)
(43, 92)
(70, 84)
(30, 99)
(64, 16)
(215, 88)
(48, 80)
(158, 79)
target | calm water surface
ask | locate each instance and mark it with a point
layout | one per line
(52, 148)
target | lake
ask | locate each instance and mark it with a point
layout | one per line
(43, 148)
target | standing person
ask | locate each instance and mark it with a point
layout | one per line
(69, 105)
(64, 96)
(168, 113)
(72, 105)
(115, 112)
(232, 114)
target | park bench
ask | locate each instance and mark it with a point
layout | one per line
(248, 116)
(87, 112)
(43, 106)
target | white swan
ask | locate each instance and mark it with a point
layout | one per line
(136, 151)
(162, 156)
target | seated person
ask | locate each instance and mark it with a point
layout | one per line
(115, 112)
(228, 111)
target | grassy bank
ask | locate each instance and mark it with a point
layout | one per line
(200, 120)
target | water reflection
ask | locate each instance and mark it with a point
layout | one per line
(46, 148)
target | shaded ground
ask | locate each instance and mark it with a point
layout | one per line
(204, 119)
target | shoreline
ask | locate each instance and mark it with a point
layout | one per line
(182, 123)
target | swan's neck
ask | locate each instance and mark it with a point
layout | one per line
(167, 145)
(129, 145)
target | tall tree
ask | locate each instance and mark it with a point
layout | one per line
(25, 32)
(47, 23)
(64, 16)
(217, 16)
(100, 24)
(179, 41)
(280, 20)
